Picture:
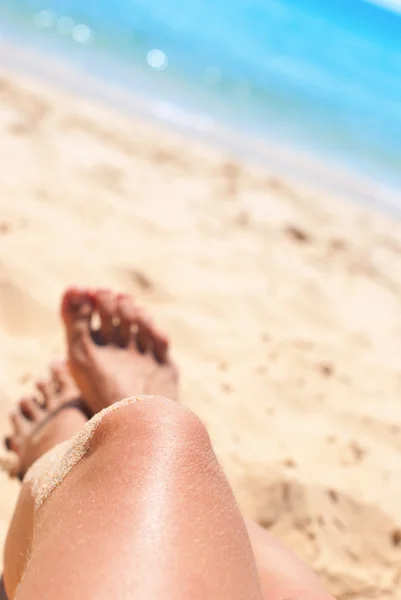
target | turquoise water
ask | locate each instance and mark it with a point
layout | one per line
(324, 75)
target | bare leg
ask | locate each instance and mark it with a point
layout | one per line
(148, 514)
(42, 421)
(145, 513)
(282, 575)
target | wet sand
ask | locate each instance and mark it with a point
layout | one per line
(283, 304)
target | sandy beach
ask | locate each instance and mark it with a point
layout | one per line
(283, 305)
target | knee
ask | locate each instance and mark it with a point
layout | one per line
(151, 420)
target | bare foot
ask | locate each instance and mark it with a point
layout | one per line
(41, 423)
(125, 356)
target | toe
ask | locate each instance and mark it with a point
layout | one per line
(20, 424)
(11, 465)
(144, 335)
(160, 346)
(76, 310)
(15, 443)
(128, 316)
(62, 378)
(106, 304)
(46, 389)
(30, 409)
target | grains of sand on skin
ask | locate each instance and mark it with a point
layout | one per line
(50, 470)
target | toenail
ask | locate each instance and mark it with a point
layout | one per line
(80, 301)
(76, 302)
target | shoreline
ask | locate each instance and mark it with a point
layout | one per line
(303, 167)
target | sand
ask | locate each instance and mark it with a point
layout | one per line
(283, 304)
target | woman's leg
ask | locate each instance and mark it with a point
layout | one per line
(282, 575)
(146, 512)
(42, 421)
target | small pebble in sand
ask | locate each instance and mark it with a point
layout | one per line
(142, 280)
(333, 495)
(226, 387)
(326, 369)
(4, 227)
(25, 378)
(358, 451)
(396, 537)
(338, 244)
(242, 219)
(297, 234)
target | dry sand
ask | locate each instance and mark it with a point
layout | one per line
(283, 304)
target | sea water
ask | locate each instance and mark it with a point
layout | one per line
(321, 75)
